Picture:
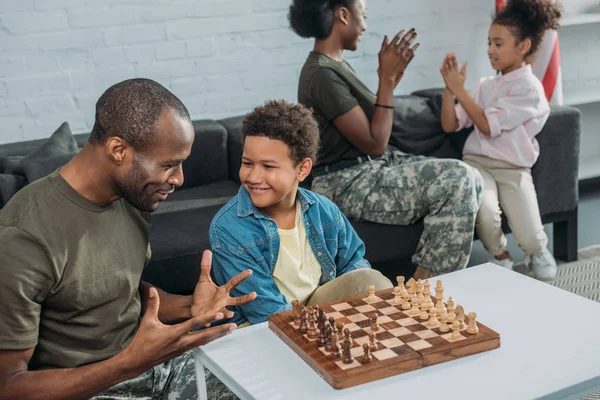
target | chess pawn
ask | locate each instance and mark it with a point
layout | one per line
(455, 330)
(371, 297)
(397, 300)
(332, 322)
(303, 322)
(367, 357)
(372, 345)
(424, 316)
(444, 327)
(405, 304)
(414, 311)
(433, 322)
(472, 327)
(374, 326)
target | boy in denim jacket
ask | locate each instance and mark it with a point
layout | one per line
(297, 243)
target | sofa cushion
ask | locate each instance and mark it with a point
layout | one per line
(40, 167)
(208, 161)
(59, 147)
(235, 145)
(9, 185)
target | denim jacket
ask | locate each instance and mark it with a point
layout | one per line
(242, 237)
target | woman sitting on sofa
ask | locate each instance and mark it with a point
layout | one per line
(357, 169)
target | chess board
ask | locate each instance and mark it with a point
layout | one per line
(404, 342)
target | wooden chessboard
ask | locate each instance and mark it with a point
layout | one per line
(404, 343)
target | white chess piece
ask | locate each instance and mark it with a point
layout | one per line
(472, 327)
(397, 300)
(371, 297)
(451, 314)
(455, 331)
(427, 302)
(433, 322)
(401, 288)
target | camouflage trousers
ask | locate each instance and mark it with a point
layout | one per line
(401, 189)
(173, 380)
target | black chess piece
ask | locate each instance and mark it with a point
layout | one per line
(327, 337)
(303, 322)
(346, 354)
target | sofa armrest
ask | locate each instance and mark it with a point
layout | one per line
(556, 171)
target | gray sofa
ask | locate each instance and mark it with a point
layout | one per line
(180, 226)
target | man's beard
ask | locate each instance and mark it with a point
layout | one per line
(130, 191)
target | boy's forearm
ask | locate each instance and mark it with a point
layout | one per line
(449, 120)
(475, 112)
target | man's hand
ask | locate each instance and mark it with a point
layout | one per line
(453, 77)
(210, 299)
(155, 343)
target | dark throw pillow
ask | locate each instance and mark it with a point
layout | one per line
(54, 153)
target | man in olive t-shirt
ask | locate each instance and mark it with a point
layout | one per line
(77, 320)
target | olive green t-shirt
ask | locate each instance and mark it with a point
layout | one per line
(70, 271)
(332, 88)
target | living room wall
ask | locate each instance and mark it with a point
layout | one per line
(222, 57)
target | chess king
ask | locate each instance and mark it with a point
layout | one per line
(297, 243)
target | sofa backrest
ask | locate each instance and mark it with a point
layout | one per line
(209, 160)
(235, 145)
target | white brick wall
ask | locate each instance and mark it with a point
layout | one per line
(221, 57)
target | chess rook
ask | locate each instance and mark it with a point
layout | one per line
(472, 324)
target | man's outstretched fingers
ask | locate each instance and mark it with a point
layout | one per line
(236, 280)
(152, 304)
(200, 338)
(205, 265)
(197, 322)
(241, 300)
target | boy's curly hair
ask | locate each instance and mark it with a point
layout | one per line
(314, 18)
(530, 19)
(291, 123)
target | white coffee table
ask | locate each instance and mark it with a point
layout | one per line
(549, 348)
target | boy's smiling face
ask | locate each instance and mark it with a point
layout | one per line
(270, 175)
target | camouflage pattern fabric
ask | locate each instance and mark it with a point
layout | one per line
(401, 189)
(173, 380)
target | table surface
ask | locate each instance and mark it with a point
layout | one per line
(549, 348)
